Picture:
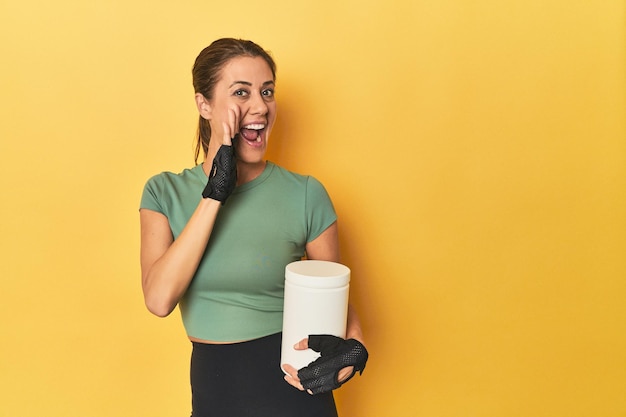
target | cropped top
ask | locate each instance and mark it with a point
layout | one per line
(238, 288)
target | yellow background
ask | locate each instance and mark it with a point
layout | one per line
(475, 151)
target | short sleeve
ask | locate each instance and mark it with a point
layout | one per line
(151, 195)
(319, 209)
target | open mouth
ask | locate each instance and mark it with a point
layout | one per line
(252, 132)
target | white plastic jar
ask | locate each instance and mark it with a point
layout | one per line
(316, 302)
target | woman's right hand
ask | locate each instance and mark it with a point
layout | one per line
(231, 129)
(223, 174)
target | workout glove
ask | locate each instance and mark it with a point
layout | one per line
(223, 175)
(337, 353)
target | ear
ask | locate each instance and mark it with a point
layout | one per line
(204, 108)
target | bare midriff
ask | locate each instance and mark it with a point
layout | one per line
(213, 342)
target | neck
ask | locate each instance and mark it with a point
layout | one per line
(246, 172)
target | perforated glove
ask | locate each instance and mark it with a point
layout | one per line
(322, 374)
(223, 175)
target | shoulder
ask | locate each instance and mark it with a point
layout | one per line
(161, 190)
(167, 179)
(309, 187)
(287, 175)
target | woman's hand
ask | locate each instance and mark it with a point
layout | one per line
(339, 362)
(231, 129)
(223, 175)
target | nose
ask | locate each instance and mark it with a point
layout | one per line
(258, 106)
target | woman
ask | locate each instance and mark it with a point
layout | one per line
(215, 240)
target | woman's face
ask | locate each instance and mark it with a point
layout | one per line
(246, 91)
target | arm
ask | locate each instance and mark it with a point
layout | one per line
(168, 265)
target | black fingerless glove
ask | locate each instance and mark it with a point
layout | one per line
(223, 175)
(337, 353)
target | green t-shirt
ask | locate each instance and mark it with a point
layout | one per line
(237, 290)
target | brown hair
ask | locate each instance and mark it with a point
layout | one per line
(206, 73)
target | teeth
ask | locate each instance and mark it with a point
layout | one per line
(255, 127)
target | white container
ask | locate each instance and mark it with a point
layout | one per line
(316, 302)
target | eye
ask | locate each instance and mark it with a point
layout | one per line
(269, 93)
(241, 93)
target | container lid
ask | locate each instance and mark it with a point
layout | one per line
(317, 274)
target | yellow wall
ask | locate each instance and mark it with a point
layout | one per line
(475, 150)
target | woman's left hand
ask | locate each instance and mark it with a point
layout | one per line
(339, 362)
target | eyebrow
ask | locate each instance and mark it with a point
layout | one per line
(250, 84)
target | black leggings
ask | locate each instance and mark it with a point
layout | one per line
(245, 380)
